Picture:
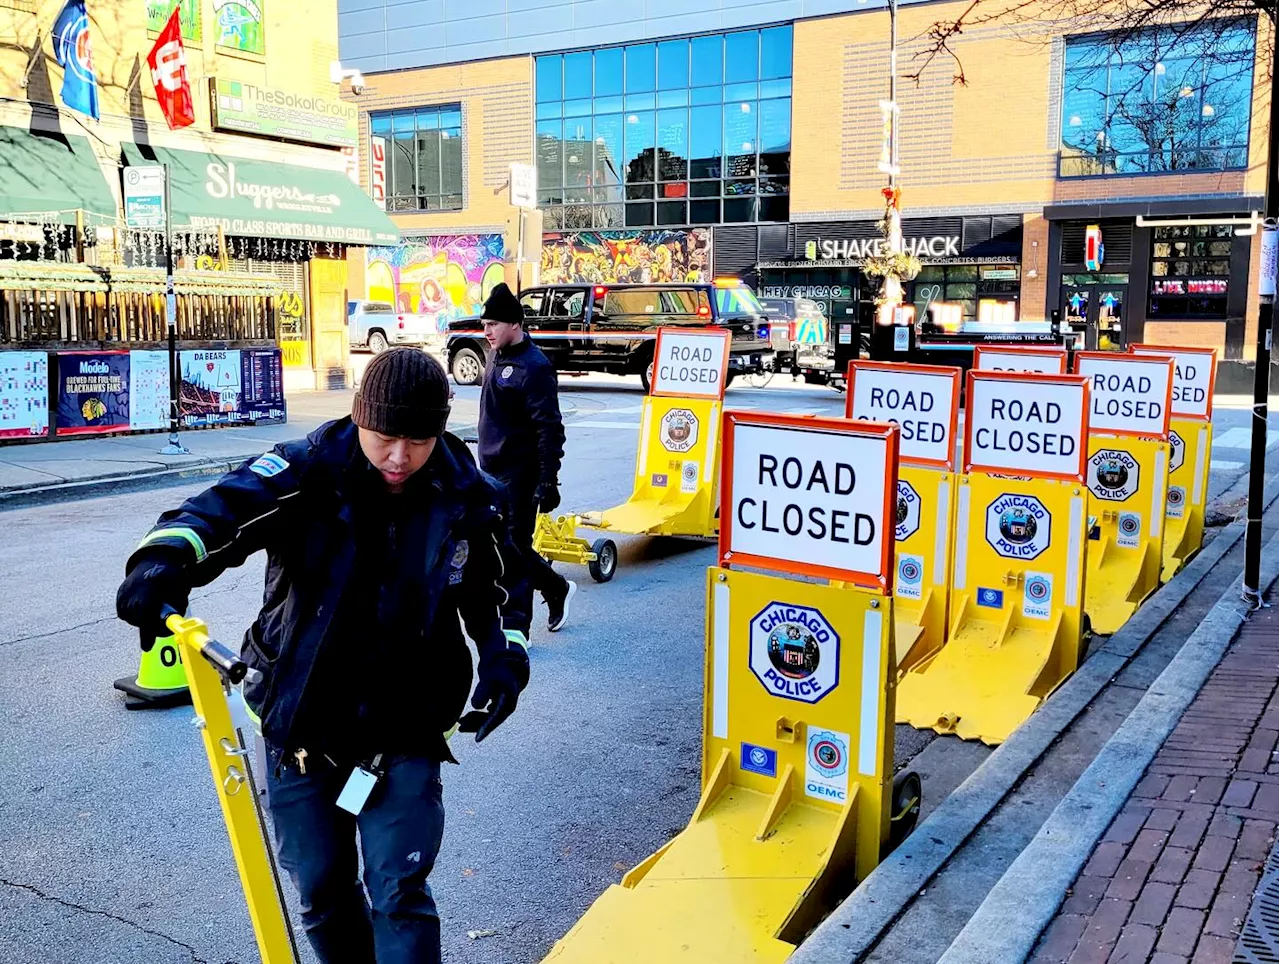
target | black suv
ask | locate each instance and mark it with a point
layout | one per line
(612, 327)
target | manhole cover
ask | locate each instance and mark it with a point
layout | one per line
(1260, 940)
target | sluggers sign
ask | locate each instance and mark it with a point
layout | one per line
(810, 496)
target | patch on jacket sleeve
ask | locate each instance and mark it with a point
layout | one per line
(269, 465)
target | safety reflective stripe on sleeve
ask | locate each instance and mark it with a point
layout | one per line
(517, 637)
(448, 734)
(178, 532)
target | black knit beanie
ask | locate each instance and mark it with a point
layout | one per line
(404, 393)
(503, 306)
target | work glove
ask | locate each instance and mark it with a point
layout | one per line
(502, 678)
(547, 496)
(154, 584)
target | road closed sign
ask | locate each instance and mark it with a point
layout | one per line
(1128, 394)
(1006, 358)
(690, 364)
(922, 400)
(1027, 424)
(1194, 372)
(809, 496)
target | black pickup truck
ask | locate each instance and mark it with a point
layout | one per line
(612, 327)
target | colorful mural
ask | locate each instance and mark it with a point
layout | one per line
(637, 256)
(447, 276)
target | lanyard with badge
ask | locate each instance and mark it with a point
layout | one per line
(355, 794)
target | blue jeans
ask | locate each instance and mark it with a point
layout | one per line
(400, 830)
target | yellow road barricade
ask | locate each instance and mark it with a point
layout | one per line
(924, 401)
(1128, 480)
(798, 800)
(1018, 580)
(678, 456)
(1191, 442)
(211, 669)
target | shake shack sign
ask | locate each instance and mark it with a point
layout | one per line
(858, 249)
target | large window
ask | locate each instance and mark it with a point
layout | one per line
(424, 157)
(1173, 99)
(678, 132)
(1190, 271)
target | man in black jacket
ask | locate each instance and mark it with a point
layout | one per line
(522, 443)
(380, 532)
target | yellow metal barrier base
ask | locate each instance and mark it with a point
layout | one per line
(1116, 587)
(982, 684)
(235, 794)
(556, 539)
(677, 472)
(999, 663)
(717, 892)
(1180, 545)
(796, 789)
(923, 557)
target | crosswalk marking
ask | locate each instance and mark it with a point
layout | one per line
(1221, 465)
(598, 423)
(1242, 438)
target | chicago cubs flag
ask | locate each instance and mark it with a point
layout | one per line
(168, 61)
(71, 47)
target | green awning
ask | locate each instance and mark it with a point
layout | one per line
(263, 199)
(49, 176)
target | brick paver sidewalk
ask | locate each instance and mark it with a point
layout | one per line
(1172, 879)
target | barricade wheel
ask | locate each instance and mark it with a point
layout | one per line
(606, 560)
(906, 807)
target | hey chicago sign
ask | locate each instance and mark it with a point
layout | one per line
(935, 246)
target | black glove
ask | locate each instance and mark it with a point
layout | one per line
(155, 582)
(547, 496)
(502, 678)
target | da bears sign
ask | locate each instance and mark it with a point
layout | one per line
(679, 430)
(795, 652)
(1018, 526)
(1113, 475)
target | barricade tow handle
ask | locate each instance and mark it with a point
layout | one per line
(225, 660)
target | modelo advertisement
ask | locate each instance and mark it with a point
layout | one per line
(224, 387)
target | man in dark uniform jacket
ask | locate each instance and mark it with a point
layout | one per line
(522, 443)
(382, 538)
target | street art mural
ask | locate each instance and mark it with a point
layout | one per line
(445, 276)
(636, 256)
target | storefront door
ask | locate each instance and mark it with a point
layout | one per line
(1094, 306)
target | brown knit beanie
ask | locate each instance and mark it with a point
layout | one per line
(404, 393)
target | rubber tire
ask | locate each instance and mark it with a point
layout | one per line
(378, 342)
(906, 785)
(606, 561)
(463, 359)
(646, 376)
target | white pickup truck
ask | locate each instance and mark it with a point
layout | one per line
(376, 325)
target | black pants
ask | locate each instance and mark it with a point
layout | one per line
(523, 516)
(400, 831)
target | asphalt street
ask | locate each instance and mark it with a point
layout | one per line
(112, 847)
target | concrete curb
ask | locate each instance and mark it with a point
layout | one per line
(1025, 899)
(137, 481)
(859, 922)
(117, 483)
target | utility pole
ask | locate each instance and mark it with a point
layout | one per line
(1251, 590)
(891, 285)
(174, 447)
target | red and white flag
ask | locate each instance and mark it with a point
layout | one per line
(168, 63)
